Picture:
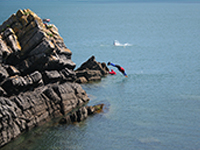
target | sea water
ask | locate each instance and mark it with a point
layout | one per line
(157, 107)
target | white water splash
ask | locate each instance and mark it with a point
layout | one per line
(117, 43)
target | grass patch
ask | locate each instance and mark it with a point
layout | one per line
(49, 34)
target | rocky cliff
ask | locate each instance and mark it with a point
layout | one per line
(37, 77)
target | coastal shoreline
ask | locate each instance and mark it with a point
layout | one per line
(38, 81)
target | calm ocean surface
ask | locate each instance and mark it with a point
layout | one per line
(158, 106)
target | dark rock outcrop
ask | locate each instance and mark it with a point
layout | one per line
(37, 77)
(91, 70)
(81, 114)
(24, 111)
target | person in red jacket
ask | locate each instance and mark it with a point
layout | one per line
(121, 69)
(112, 72)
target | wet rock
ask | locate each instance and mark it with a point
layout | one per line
(81, 114)
(95, 109)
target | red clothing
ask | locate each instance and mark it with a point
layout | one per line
(112, 72)
(122, 69)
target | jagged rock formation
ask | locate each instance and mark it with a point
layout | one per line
(37, 77)
(81, 114)
(91, 70)
(24, 111)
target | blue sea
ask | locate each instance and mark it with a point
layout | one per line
(158, 106)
